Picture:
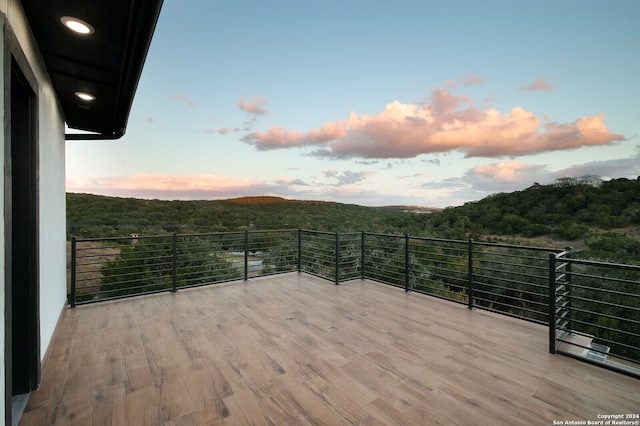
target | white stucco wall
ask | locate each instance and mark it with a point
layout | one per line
(52, 202)
(53, 250)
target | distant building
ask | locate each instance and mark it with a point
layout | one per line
(591, 180)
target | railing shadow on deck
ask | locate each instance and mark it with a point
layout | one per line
(592, 309)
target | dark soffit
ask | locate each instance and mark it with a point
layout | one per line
(107, 63)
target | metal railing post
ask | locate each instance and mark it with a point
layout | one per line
(174, 265)
(299, 250)
(72, 295)
(362, 256)
(470, 273)
(569, 291)
(552, 303)
(246, 254)
(337, 258)
(406, 262)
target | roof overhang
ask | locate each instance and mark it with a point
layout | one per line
(107, 63)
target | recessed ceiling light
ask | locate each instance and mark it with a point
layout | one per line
(77, 25)
(85, 96)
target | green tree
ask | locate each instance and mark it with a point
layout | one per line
(148, 268)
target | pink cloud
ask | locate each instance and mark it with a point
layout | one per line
(254, 105)
(445, 123)
(279, 137)
(211, 187)
(330, 173)
(540, 84)
(166, 186)
(471, 80)
(465, 80)
(184, 99)
(507, 172)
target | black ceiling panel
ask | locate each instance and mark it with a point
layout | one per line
(107, 63)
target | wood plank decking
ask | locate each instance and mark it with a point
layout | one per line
(295, 349)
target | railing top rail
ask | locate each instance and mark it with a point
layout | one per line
(635, 268)
(139, 237)
(271, 231)
(441, 240)
(516, 246)
(379, 234)
(310, 231)
(211, 234)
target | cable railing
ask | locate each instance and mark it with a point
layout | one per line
(510, 279)
(592, 309)
(595, 310)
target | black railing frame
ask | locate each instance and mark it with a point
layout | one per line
(559, 266)
(408, 286)
(72, 294)
(174, 262)
(407, 263)
(470, 274)
(246, 255)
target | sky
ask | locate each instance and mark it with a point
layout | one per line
(421, 103)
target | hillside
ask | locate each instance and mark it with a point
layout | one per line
(602, 222)
(605, 221)
(567, 212)
(94, 215)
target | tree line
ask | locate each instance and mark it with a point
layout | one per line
(605, 219)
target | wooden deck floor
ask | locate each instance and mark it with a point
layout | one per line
(294, 349)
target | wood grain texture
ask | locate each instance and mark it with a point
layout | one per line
(295, 349)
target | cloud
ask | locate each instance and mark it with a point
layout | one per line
(330, 173)
(508, 172)
(347, 177)
(471, 80)
(449, 183)
(507, 176)
(465, 80)
(443, 124)
(212, 187)
(432, 161)
(201, 186)
(184, 99)
(288, 182)
(480, 181)
(412, 176)
(618, 168)
(279, 137)
(539, 84)
(254, 105)
(225, 130)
